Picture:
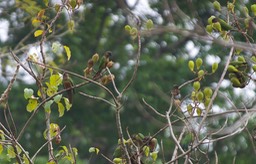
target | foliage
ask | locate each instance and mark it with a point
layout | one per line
(101, 82)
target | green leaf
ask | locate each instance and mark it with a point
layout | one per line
(25, 159)
(51, 90)
(68, 52)
(56, 47)
(154, 155)
(198, 111)
(10, 151)
(75, 151)
(73, 4)
(54, 129)
(253, 8)
(190, 109)
(127, 28)
(217, 26)
(46, 2)
(38, 33)
(2, 135)
(1, 149)
(61, 109)
(71, 25)
(254, 68)
(65, 149)
(210, 20)
(232, 68)
(55, 80)
(94, 150)
(209, 28)
(47, 106)
(146, 150)
(57, 7)
(149, 24)
(67, 103)
(28, 93)
(216, 5)
(246, 11)
(117, 160)
(57, 98)
(32, 104)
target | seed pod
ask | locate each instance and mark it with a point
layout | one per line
(110, 64)
(191, 65)
(95, 58)
(90, 63)
(196, 85)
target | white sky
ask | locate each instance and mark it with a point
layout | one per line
(4, 27)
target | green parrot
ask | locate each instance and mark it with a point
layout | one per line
(103, 63)
(67, 84)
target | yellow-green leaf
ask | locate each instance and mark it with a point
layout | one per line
(57, 98)
(51, 90)
(57, 7)
(10, 151)
(146, 150)
(67, 103)
(54, 129)
(71, 25)
(32, 104)
(25, 159)
(55, 80)
(199, 111)
(253, 8)
(191, 65)
(214, 67)
(61, 109)
(38, 33)
(127, 28)
(154, 155)
(1, 149)
(216, 5)
(28, 93)
(94, 150)
(196, 85)
(149, 24)
(36, 22)
(47, 106)
(199, 62)
(68, 52)
(117, 160)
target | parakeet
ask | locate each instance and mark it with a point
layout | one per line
(68, 83)
(103, 63)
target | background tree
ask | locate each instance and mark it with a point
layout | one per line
(168, 51)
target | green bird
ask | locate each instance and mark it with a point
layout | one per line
(67, 84)
(103, 63)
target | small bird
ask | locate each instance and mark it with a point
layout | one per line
(67, 84)
(103, 63)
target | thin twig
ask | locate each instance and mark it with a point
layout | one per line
(4, 96)
(34, 156)
(137, 63)
(152, 108)
(97, 98)
(113, 81)
(216, 89)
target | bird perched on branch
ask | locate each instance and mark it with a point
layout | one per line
(68, 84)
(103, 63)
